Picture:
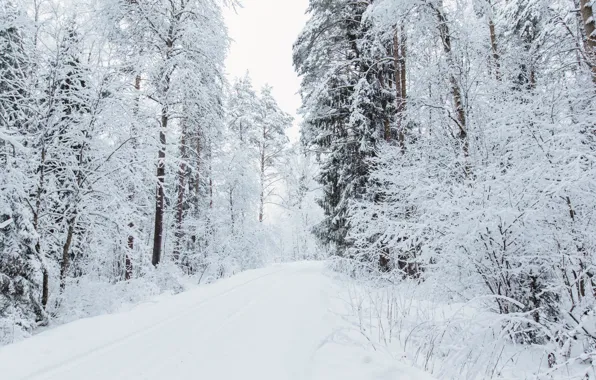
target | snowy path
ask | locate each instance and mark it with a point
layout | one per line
(270, 324)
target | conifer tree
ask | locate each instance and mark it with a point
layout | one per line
(20, 261)
(344, 103)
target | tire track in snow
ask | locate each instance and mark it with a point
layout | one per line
(174, 356)
(74, 360)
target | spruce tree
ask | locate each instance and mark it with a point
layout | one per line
(348, 106)
(20, 262)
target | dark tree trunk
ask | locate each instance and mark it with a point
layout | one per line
(127, 259)
(65, 264)
(403, 55)
(494, 48)
(45, 292)
(195, 186)
(40, 189)
(400, 80)
(160, 193)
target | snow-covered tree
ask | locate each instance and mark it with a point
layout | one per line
(347, 105)
(20, 261)
(271, 141)
(300, 210)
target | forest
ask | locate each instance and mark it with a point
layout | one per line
(456, 143)
(123, 148)
(446, 169)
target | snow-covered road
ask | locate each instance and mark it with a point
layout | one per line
(275, 323)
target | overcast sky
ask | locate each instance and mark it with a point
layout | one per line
(263, 32)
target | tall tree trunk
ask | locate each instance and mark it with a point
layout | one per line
(210, 158)
(455, 88)
(494, 47)
(403, 55)
(197, 174)
(196, 185)
(262, 175)
(40, 188)
(590, 28)
(72, 220)
(386, 115)
(400, 79)
(181, 194)
(131, 239)
(161, 156)
(400, 82)
(160, 193)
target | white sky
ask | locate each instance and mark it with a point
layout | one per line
(263, 32)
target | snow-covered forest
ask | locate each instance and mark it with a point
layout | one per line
(445, 170)
(457, 148)
(124, 148)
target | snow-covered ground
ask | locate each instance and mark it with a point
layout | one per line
(281, 322)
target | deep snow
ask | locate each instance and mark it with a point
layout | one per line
(281, 322)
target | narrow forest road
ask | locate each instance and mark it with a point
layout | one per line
(275, 323)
